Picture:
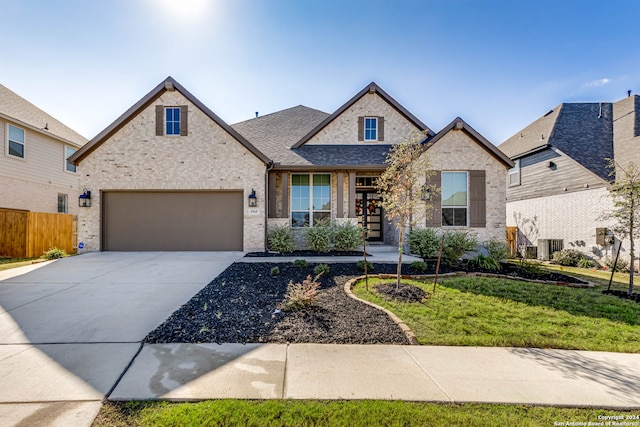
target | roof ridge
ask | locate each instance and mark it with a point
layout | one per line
(278, 112)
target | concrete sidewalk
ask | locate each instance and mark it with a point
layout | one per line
(391, 372)
(376, 252)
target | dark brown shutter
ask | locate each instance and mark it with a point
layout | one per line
(273, 208)
(380, 128)
(184, 120)
(435, 220)
(360, 128)
(478, 199)
(159, 120)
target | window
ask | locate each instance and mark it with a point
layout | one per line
(68, 152)
(172, 120)
(454, 199)
(62, 203)
(514, 174)
(370, 129)
(310, 199)
(16, 142)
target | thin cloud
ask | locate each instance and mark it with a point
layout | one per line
(598, 83)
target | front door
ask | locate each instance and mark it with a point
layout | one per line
(369, 213)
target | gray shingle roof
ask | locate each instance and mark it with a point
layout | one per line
(274, 134)
(583, 131)
(19, 109)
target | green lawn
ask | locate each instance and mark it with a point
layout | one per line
(336, 413)
(509, 313)
(599, 277)
(8, 263)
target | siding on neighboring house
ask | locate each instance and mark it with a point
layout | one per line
(344, 128)
(34, 182)
(208, 158)
(548, 173)
(626, 130)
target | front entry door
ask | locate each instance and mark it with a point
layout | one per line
(369, 213)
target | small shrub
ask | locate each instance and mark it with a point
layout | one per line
(530, 266)
(275, 271)
(280, 239)
(486, 262)
(496, 250)
(567, 257)
(300, 263)
(346, 236)
(456, 244)
(301, 295)
(54, 253)
(586, 263)
(424, 242)
(622, 266)
(321, 270)
(318, 237)
(420, 266)
(361, 265)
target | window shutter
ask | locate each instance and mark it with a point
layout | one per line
(159, 120)
(360, 128)
(184, 120)
(380, 128)
(436, 200)
(477, 198)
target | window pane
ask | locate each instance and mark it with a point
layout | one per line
(68, 152)
(16, 134)
(447, 217)
(299, 219)
(454, 189)
(322, 192)
(16, 149)
(460, 217)
(319, 217)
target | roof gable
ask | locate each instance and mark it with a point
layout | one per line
(168, 84)
(15, 108)
(372, 88)
(461, 125)
(582, 131)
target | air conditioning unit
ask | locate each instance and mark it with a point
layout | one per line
(546, 248)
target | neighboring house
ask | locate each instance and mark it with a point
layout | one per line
(557, 193)
(34, 172)
(171, 175)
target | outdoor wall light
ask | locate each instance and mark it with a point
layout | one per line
(85, 199)
(253, 199)
(426, 193)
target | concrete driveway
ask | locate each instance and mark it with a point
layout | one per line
(70, 328)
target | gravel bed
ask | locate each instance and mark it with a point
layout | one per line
(242, 306)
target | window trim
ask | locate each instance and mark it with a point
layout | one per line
(515, 171)
(374, 128)
(66, 162)
(467, 207)
(23, 143)
(311, 211)
(179, 109)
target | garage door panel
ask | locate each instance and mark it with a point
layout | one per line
(172, 221)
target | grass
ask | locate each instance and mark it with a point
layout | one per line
(598, 277)
(335, 413)
(8, 263)
(509, 313)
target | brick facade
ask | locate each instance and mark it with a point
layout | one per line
(208, 158)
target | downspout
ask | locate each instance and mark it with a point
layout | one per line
(266, 202)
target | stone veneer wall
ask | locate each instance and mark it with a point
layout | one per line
(456, 151)
(207, 159)
(344, 128)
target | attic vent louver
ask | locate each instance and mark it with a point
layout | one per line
(372, 89)
(169, 86)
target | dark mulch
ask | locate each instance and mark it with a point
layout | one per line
(403, 293)
(241, 306)
(306, 254)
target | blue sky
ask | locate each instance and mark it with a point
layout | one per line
(497, 64)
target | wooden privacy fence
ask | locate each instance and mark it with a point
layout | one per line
(25, 234)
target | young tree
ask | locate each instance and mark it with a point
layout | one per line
(401, 187)
(625, 192)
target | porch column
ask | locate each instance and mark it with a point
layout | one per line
(352, 194)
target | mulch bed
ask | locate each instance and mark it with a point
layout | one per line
(305, 254)
(242, 305)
